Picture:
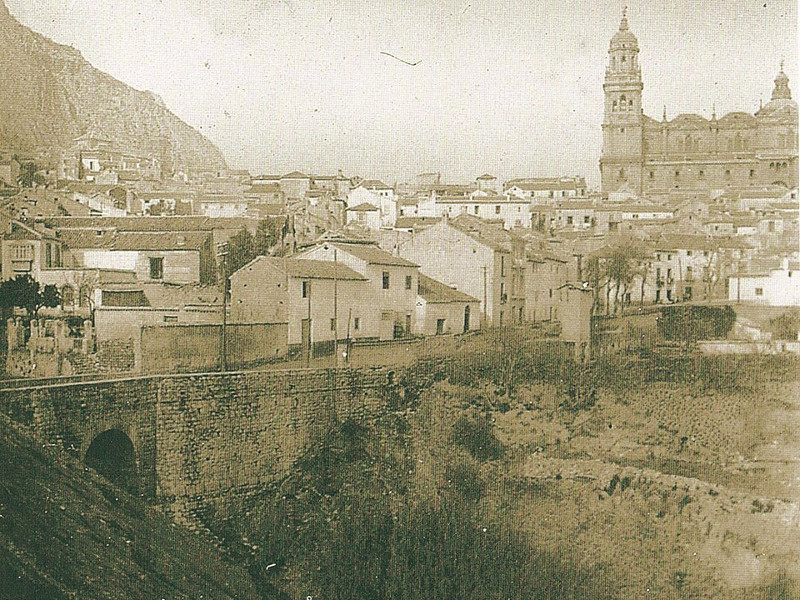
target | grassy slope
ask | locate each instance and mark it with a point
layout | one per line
(65, 533)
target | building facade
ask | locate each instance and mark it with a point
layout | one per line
(650, 157)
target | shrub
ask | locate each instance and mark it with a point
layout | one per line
(477, 437)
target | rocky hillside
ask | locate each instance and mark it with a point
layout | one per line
(49, 95)
(68, 533)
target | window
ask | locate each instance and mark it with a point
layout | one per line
(333, 324)
(170, 318)
(386, 316)
(759, 291)
(752, 172)
(551, 292)
(502, 292)
(439, 326)
(701, 174)
(652, 174)
(67, 296)
(689, 253)
(476, 209)
(156, 268)
(677, 173)
(569, 220)
(408, 282)
(727, 172)
(497, 209)
(386, 280)
(356, 323)
(23, 252)
(502, 266)
(306, 289)
(586, 220)
(622, 130)
(669, 256)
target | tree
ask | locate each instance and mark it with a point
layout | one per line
(24, 292)
(244, 246)
(29, 175)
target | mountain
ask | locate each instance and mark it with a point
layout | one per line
(50, 95)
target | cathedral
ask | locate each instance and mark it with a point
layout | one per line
(690, 153)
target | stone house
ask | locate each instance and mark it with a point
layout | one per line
(28, 249)
(513, 211)
(393, 281)
(443, 310)
(477, 257)
(776, 287)
(366, 215)
(168, 257)
(377, 194)
(322, 301)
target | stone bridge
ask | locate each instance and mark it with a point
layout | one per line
(186, 440)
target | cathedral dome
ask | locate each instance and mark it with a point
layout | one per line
(624, 38)
(781, 104)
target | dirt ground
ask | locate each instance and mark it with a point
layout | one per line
(680, 491)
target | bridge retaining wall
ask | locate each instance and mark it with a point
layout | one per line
(202, 437)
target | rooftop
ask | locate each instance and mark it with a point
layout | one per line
(436, 292)
(373, 255)
(302, 268)
(105, 239)
(363, 207)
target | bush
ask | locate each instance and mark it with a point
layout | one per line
(465, 480)
(477, 437)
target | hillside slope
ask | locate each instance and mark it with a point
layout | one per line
(49, 95)
(69, 534)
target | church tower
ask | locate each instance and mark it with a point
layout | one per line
(621, 158)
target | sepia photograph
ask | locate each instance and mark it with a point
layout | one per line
(399, 300)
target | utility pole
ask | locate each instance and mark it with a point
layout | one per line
(485, 299)
(335, 309)
(222, 252)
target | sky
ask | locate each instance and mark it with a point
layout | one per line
(510, 87)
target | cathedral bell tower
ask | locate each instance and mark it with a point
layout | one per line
(621, 159)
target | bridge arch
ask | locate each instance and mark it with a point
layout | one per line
(112, 454)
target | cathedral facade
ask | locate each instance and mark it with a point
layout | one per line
(690, 153)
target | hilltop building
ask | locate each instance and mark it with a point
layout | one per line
(646, 156)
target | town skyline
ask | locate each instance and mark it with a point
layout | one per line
(349, 104)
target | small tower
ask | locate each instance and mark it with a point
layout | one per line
(781, 91)
(621, 161)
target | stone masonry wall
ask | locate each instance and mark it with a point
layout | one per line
(201, 438)
(72, 415)
(221, 435)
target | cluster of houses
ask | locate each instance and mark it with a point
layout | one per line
(360, 259)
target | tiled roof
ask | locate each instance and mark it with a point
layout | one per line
(677, 241)
(374, 184)
(165, 295)
(307, 269)
(169, 194)
(436, 292)
(482, 200)
(83, 239)
(295, 175)
(489, 233)
(547, 183)
(177, 223)
(415, 222)
(363, 207)
(373, 255)
(263, 188)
